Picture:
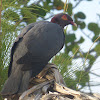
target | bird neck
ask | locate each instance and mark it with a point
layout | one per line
(55, 20)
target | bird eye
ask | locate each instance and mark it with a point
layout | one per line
(64, 17)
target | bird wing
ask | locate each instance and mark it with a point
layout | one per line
(17, 41)
(39, 45)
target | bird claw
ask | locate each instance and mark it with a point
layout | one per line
(39, 76)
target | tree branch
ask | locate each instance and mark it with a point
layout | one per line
(95, 74)
(77, 4)
(85, 34)
(0, 14)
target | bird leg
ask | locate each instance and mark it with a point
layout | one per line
(45, 70)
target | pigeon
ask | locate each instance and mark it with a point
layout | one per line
(32, 50)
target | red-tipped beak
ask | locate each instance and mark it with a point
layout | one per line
(74, 24)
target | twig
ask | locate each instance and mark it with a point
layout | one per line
(77, 4)
(94, 74)
(75, 57)
(89, 87)
(94, 84)
(86, 34)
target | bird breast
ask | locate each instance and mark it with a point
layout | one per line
(44, 38)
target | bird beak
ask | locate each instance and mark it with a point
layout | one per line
(74, 24)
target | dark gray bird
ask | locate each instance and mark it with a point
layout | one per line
(32, 50)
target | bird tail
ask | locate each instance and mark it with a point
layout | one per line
(17, 82)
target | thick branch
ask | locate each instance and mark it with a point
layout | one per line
(52, 87)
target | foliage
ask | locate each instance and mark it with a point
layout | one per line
(18, 13)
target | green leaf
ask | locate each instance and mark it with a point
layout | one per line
(69, 10)
(13, 15)
(38, 10)
(74, 48)
(80, 15)
(28, 16)
(48, 1)
(46, 6)
(91, 58)
(94, 27)
(82, 77)
(7, 27)
(70, 83)
(81, 40)
(82, 25)
(74, 28)
(97, 49)
(94, 38)
(70, 38)
(58, 4)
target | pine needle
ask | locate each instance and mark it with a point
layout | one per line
(86, 59)
(90, 49)
(66, 6)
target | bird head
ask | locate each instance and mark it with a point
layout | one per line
(63, 20)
